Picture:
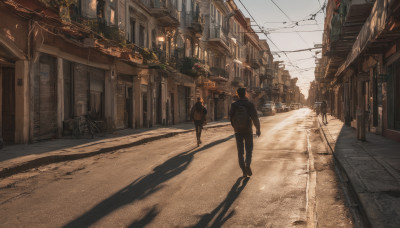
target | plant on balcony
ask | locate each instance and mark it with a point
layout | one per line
(186, 66)
(65, 8)
(58, 3)
(201, 69)
(148, 56)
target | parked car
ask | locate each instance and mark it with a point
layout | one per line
(285, 107)
(268, 109)
(279, 107)
(294, 106)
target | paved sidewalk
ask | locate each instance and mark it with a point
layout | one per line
(372, 168)
(19, 158)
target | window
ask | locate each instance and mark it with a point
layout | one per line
(141, 36)
(153, 39)
(133, 33)
(112, 16)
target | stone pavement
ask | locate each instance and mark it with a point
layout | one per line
(372, 169)
(19, 158)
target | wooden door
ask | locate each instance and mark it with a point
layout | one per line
(129, 107)
(8, 113)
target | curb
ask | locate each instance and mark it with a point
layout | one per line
(49, 159)
(348, 188)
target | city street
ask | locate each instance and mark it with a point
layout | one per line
(173, 183)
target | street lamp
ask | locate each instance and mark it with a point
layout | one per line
(160, 40)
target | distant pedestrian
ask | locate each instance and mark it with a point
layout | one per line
(324, 109)
(198, 115)
(243, 115)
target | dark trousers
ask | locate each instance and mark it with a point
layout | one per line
(324, 117)
(244, 141)
(199, 126)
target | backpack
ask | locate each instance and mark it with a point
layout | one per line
(198, 115)
(241, 118)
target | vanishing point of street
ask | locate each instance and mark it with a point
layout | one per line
(173, 183)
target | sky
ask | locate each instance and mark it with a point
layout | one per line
(284, 34)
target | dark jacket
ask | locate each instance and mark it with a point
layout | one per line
(251, 110)
(324, 107)
(198, 106)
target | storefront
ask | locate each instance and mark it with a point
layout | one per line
(45, 98)
(83, 95)
(124, 97)
(7, 103)
(393, 101)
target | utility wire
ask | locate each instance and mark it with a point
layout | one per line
(310, 17)
(290, 61)
(301, 37)
(259, 26)
(269, 32)
(299, 50)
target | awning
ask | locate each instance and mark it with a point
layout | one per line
(372, 28)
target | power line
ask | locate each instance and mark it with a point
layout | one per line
(290, 20)
(290, 61)
(310, 17)
(318, 30)
(258, 25)
(299, 50)
(270, 32)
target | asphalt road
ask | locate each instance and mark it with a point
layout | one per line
(173, 183)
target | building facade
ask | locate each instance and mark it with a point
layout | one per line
(124, 63)
(357, 74)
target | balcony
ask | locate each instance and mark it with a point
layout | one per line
(215, 71)
(345, 27)
(255, 63)
(192, 67)
(237, 82)
(193, 22)
(165, 12)
(270, 72)
(265, 76)
(218, 38)
(100, 27)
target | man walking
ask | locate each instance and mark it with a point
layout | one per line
(198, 116)
(324, 109)
(242, 115)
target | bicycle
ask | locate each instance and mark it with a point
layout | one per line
(95, 126)
(86, 125)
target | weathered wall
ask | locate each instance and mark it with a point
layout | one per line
(13, 29)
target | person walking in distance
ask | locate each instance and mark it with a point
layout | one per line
(243, 115)
(198, 116)
(324, 109)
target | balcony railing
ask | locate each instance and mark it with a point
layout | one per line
(219, 72)
(193, 20)
(255, 63)
(100, 27)
(164, 11)
(217, 33)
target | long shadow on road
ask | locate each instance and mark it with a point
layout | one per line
(220, 214)
(142, 187)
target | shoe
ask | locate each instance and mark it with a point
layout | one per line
(248, 171)
(244, 173)
(199, 141)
